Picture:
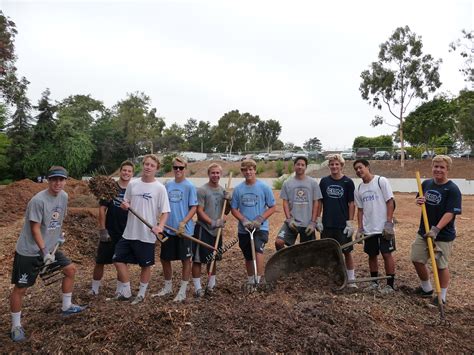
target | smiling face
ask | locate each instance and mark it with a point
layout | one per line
(363, 172)
(149, 169)
(214, 175)
(440, 171)
(300, 167)
(56, 185)
(126, 173)
(179, 169)
(335, 167)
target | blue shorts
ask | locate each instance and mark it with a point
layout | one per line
(176, 248)
(134, 252)
(260, 239)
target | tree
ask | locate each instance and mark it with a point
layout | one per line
(313, 144)
(466, 47)
(172, 138)
(8, 78)
(197, 135)
(430, 121)
(401, 73)
(268, 132)
(4, 161)
(234, 130)
(384, 141)
(465, 116)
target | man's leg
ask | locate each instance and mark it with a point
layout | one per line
(97, 275)
(185, 274)
(389, 264)
(196, 274)
(16, 298)
(444, 277)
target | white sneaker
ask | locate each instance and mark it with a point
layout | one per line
(387, 290)
(352, 285)
(163, 292)
(91, 292)
(138, 299)
(180, 297)
(373, 287)
(199, 293)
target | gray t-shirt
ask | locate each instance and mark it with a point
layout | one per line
(211, 199)
(300, 195)
(49, 211)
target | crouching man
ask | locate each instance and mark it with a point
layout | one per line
(35, 248)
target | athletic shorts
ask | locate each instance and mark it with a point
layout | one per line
(176, 248)
(200, 253)
(338, 235)
(289, 236)
(420, 253)
(260, 239)
(378, 244)
(134, 252)
(26, 268)
(105, 251)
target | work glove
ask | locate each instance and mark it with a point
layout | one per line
(349, 230)
(227, 195)
(257, 222)
(104, 236)
(433, 233)
(182, 227)
(359, 234)
(48, 258)
(217, 223)
(319, 224)
(291, 223)
(388, 233)
(312, 226)
(248, 224)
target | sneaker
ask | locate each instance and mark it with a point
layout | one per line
(120, 297)
(199, 293)
(73, 309)
(434, 301)
(18, 334)
(92, 293)
(138, 299)
(210, 290)
(422, 293)
(387, 290)
(180, 297)
(373, 287)
(163, 292)
(352, 285)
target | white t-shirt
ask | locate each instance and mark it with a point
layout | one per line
(372, 198)
(149, 200)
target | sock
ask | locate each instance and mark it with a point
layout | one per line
(212, 282)
(197, 283)
(16, 319)
(126, 291)
(374, 274)
(391, 280)
(119, 287)
(95, 286)
(183, 287)
(142, 289)
(67, 297)
(168, 285)
(444, 291)
(350, 274)
(250, 279)
(258, 278)
(426, 286)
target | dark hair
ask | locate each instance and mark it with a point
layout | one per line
(362, 161)
(301, 158)
(127, 162)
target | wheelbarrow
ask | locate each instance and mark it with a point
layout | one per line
(323, 253)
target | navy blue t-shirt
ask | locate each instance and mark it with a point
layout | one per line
(116, 218)
(441, 199)
(336, 197)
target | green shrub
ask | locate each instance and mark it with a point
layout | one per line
(167, 163)
(234, 172)
(289, 167)
(260, 168)
(279, 168)
(278, 183)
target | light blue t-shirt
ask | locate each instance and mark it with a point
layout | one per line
(182, 196)
(252, 201)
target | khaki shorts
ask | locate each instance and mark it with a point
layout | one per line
(420, 253)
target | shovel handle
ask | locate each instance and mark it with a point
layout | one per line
(145, 222)
(187, 236)
(355, 241)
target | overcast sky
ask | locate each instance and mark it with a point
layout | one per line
(298, 62)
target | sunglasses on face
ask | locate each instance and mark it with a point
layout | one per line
(178, 167)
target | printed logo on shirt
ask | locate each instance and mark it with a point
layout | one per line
(249, 200)
(433, 197)
(175, 196)
(55, 215)
(301, 196)
(369, 196)
(335, 191)
(23, 279)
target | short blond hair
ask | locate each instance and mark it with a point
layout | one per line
(442, 158)
(181, 160)
(213, 166)
(152, 157)
(248, 163)
(337, 157)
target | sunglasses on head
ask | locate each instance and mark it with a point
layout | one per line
(178, 167)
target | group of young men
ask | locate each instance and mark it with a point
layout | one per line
(328, 207)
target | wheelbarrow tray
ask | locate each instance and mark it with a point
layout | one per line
(322, 253)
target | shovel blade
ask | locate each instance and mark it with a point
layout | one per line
(323, 253)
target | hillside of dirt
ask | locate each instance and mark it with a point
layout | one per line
(302, 314)
(462, 168)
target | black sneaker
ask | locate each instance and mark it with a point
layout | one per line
(422, 293)
(435, 301)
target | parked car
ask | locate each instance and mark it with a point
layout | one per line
(382, 155)
(287, 155)
(398, 155)
(273, 156)
(260, 156)
(348, 155)
(314, 155)
(300, 153)
(467, 153)
(427, 154)
(363, 153)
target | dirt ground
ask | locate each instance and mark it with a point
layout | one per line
(302, 314)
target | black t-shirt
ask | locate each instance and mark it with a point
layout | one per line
(441, 199)
(116, 218)
(336, 197)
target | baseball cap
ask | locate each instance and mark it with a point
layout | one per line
(57, 171)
